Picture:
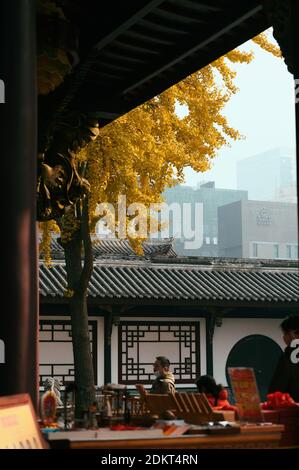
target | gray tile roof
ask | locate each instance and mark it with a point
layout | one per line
(111, 248)
(122, 248)
(182, 279)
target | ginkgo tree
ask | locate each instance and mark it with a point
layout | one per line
(139, 155)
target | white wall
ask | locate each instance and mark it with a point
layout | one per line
(114, 343)
(234, 329)
(63, 352)
(225, 337)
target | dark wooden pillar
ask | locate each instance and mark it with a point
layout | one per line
(19, 293)
(112, 317)
(107, 347)
(284, 17)
(210, 325)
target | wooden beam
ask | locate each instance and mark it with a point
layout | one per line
(128, 24)
(199, 45)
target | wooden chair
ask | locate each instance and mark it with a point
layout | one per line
(195, 408)
(137, 404)
(141, 389)
(158, 403)
(153, 403)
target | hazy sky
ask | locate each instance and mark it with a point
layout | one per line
(263, 111)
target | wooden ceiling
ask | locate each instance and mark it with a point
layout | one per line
(131, 51)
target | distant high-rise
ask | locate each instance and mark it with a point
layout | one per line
(211, 198)
(267, 175)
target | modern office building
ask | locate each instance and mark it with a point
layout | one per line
(258, 229)
(182, 224)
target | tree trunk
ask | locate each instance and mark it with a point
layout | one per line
(78, 277)
(84, 375)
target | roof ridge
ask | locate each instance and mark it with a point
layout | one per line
(144, 279)
(118, 247)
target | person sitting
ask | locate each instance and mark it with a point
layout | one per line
(286, 375)
(215, 393)
(164, 382)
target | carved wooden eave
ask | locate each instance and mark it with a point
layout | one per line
(281, 15)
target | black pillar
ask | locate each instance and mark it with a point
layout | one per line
(19, 293)
(284, 17)
(210, 324)
(295, 31)
(107, 347)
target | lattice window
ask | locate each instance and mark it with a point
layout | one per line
(141, 342)
(56, 353)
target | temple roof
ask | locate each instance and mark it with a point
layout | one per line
(112, 248)
(120, 274)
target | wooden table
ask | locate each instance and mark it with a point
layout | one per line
(251, 437)
(289, 417)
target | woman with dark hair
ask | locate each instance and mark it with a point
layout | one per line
(215, 393)
(286, 375)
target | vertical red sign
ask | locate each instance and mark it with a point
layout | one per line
(246, 394)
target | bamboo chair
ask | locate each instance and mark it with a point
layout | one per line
(195, 408)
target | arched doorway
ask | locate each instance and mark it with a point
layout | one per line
(259, 352)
